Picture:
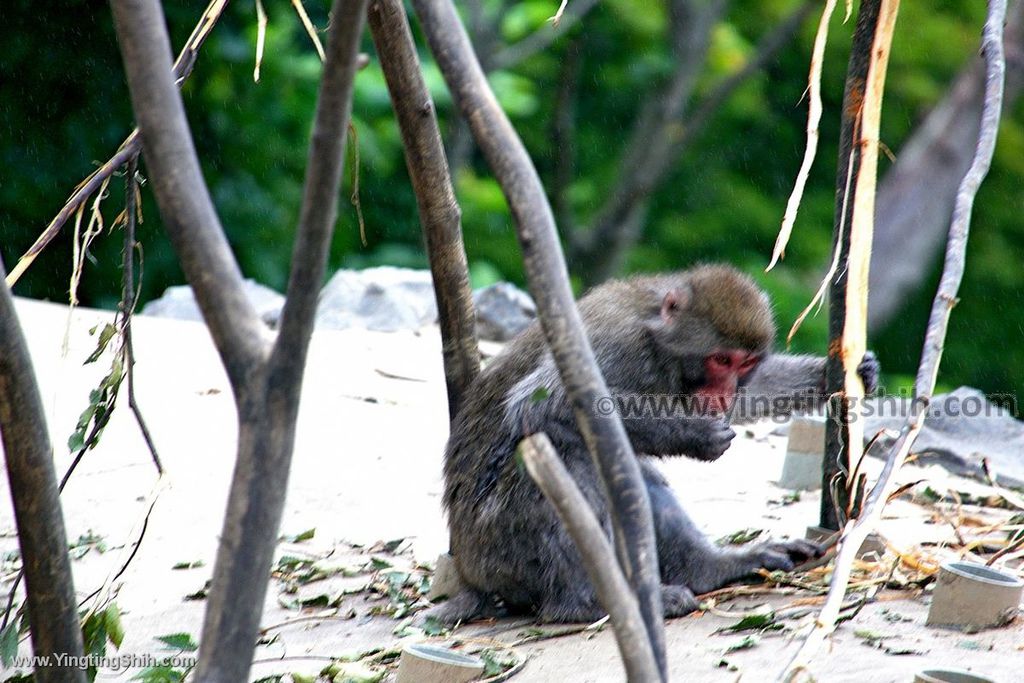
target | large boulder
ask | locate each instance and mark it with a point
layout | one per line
(502, 311)
(385, 299)
(382, 299)
(180, 303)
(961, 429)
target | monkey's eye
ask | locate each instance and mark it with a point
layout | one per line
(721, 359)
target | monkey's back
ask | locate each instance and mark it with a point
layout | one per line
(505, 537)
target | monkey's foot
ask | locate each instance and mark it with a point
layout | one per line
(466, 605)
(785, 555)
(678, 601)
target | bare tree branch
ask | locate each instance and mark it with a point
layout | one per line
(184, 201)
(268, 407)
(320, 197)
(435, 198)
(266, 379)
(129, 296)
(129, 148)
(483, 30)
(546, 468)
(956, 246)
(916, 196)
(53, 615)
(853, 225)
(560, 321)
(512, 55)
(931, 355)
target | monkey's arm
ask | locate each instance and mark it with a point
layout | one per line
(662, 425)
(783, 383)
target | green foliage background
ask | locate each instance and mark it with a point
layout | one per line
(64, 106)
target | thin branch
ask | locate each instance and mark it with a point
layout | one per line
(89, 442)
(185, 205)
(956, 247)
(438, 208)
(261, 39)
(131, 146)
(10, 597)
(558, 15)
(103, 592)
(847, 279)
(1014, 546)
(849, 315)
(354, 198)
(325, 162)
(512, 55)
(268, 406)
(945, 299)
(129, 296)
(605, 244)
(813, 119)
(546, 468)
(843, 206)
(310, 29)
(560, 321)
(37, 511)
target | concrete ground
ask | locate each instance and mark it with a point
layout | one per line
(367, 468)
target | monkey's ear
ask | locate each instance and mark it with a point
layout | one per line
(673, 304)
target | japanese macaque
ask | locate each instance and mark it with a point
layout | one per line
(703, 336)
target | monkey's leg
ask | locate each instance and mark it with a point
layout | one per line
(568, 595)
(686, 556)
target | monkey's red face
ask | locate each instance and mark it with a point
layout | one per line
(723, 370)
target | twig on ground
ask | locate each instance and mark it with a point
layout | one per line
(1012, 547)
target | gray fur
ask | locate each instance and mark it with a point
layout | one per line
(507, 542)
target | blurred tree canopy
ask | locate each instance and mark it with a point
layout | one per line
(64, 107)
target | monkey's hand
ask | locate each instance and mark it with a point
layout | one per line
(785, 555)
(703, 437)
(709, 437)
(868, 370)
